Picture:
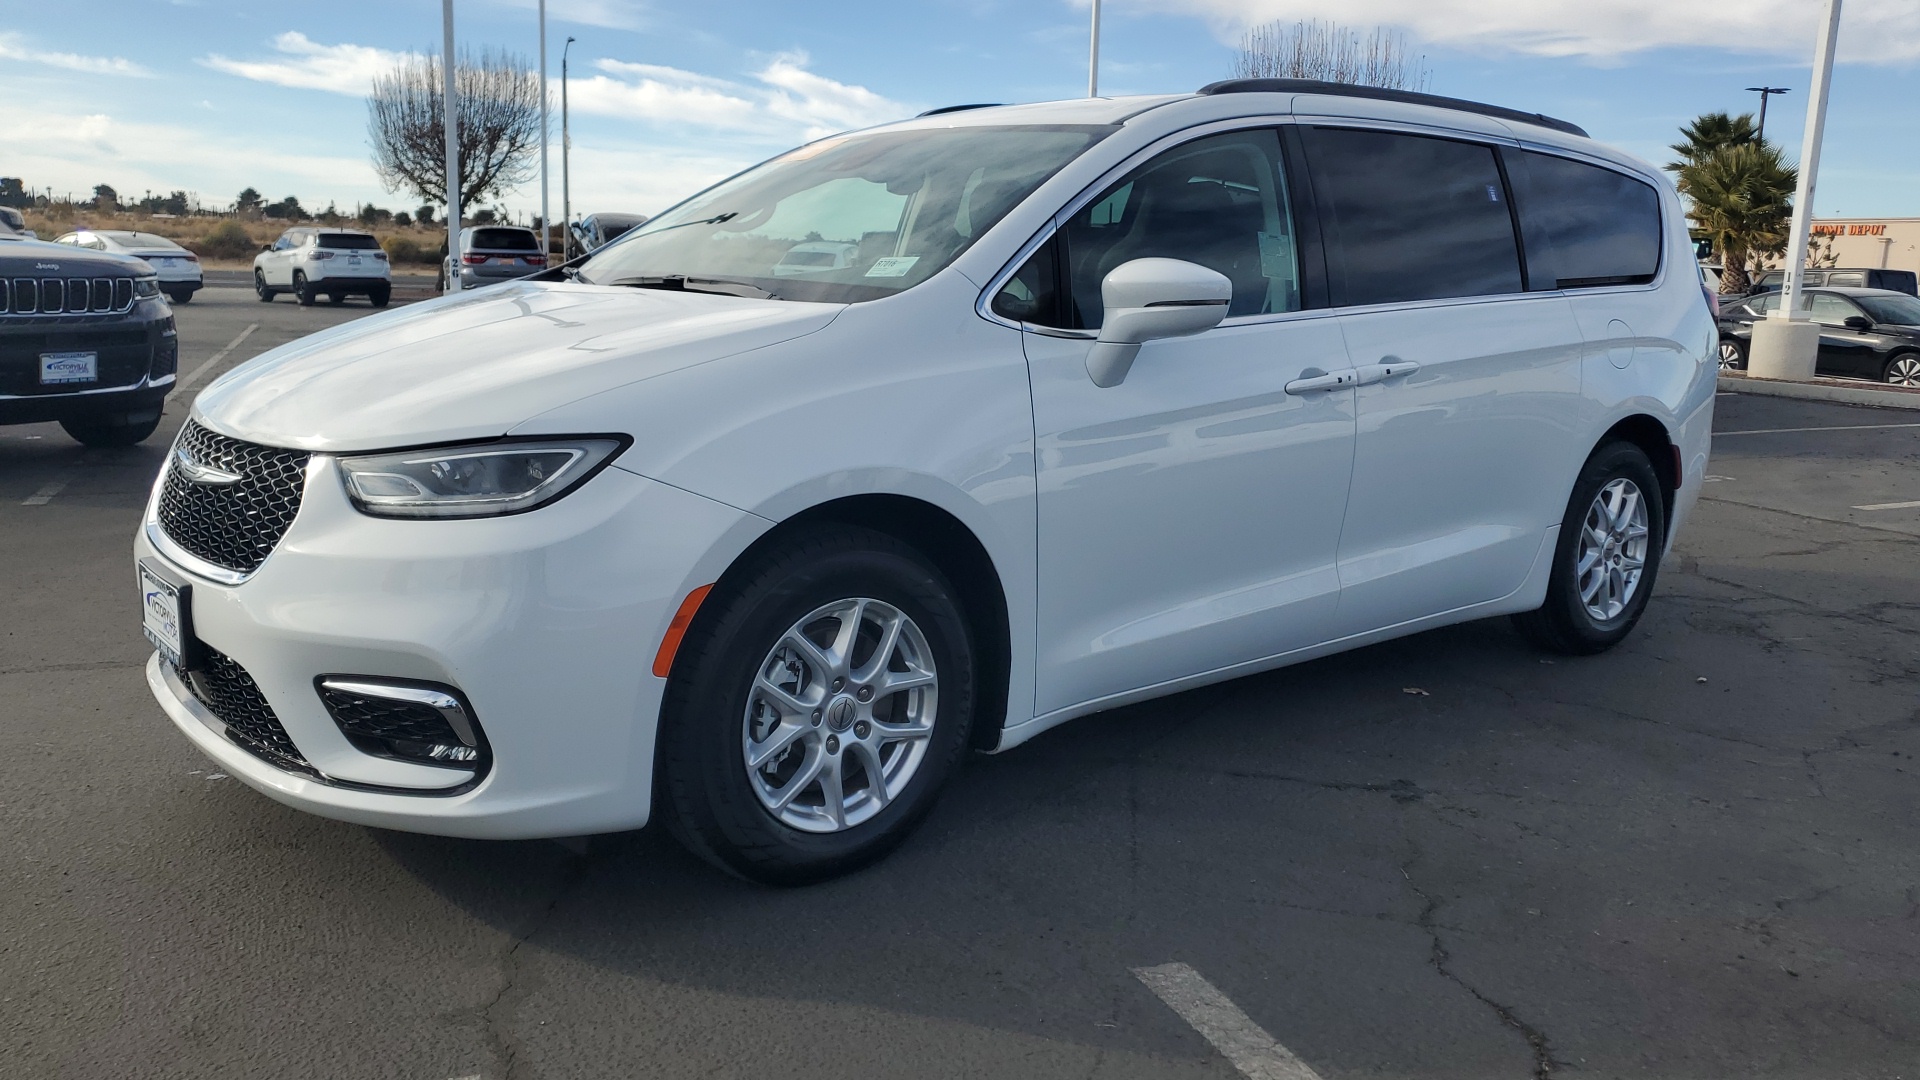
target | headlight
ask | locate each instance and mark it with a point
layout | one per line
(485, 480)
(144, 287)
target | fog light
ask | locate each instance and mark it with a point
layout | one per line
(408, 721)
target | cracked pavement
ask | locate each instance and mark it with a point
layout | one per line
(1542, 867)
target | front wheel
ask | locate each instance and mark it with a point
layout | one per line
(260, 288)
(1606, 558)
(820, 700)
(1733, 355)
(1904, 370)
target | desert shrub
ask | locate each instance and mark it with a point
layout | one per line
(406, 250)
(227, 240)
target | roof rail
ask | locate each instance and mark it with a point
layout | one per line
(961, 108)
(1377, 93)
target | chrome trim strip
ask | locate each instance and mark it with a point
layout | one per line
(449, 707)
(145, 382)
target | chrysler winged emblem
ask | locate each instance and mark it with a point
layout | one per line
(201, 474)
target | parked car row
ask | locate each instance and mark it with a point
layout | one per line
(177, 268)
(1864, 333)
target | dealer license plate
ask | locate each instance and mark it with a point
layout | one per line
(163, 615)
(59, 368)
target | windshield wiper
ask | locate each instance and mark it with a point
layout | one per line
(714, 220)
(683, 283)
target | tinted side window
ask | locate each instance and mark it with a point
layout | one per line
(1830, 309)
(1603, 227)
(1031, 294)
(1220, 201)
(1408, 217)
(1856, 280)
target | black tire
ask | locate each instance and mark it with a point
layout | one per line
(710, 804)
(302, 291)
(336, 299)
(181, 296)
(1733, 354)
(110, 432)
(261, 290)
(1564, 624)
(379, 295)
(1903, 369)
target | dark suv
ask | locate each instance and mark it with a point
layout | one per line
(85, 339)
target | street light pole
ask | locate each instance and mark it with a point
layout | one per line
(546, 217)
(451, 124)
(1765, 92)
(1093, 55)
(566, 144)
(1785, 344)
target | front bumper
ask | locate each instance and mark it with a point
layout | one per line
(546, 622)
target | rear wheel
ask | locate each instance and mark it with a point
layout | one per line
(819, 702)
(379, 295)
(180, 296)
(1606, 558)
(302, 291)
(1904, 370)
(116, 431)
(1733, 355)
(336, 299)
(260, 288)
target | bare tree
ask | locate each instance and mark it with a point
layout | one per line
(498, 118)
(1330, 52)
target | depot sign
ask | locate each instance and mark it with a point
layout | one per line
(1850, 230)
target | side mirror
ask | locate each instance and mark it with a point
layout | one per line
(1858, 322)
(266, 247)
(1150, 299)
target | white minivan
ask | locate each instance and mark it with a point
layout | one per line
(1110, 398)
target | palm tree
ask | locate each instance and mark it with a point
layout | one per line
(1741, 197)
(1710, 132)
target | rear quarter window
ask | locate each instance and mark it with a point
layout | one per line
(1600, 227)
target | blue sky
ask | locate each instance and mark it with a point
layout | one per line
(213, 95)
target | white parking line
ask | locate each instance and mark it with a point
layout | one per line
(1889, 506)
(44, 495)
(217, 357)
(1232, 1032)
(1791, 430)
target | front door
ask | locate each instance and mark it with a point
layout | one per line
(1188, 517)
(1843, 350)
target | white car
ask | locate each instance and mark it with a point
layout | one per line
(177, 268)
(315, 261)
(1121, 397)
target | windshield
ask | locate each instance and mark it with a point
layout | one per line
(1895, 308)
(846, 219)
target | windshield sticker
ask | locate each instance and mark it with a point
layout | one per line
(893, 266)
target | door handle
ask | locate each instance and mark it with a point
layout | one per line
(1314, 379)
(1387, 368)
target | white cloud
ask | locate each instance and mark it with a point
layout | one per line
(309, 65)
(13, 47)
(1873, 31)
(789, 102)
(73, 152)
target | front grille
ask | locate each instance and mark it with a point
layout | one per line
(233, 525)
(231, 695)
(65, 296)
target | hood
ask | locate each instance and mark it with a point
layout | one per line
(39, 258)
(473, 366)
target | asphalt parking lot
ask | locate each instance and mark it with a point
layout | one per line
(1445, 856)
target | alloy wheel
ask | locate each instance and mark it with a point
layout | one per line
(1904, 371)
(840, 715)
(1730, 356)
(1612, 552)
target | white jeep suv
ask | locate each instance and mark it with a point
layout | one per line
(315, 262)
(1107, 399)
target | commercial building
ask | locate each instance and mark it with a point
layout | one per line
(1892, 243)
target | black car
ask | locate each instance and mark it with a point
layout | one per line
(1845, 277)
(85, 339)
(1864, 333)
